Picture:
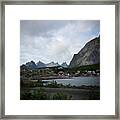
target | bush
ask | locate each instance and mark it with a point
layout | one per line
(34, 95)
(61, 96)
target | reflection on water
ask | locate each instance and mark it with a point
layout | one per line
(78, 81)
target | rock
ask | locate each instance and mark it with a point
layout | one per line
(88, 55)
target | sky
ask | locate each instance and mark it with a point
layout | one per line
(55, 40)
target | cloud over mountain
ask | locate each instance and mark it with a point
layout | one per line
(54, 40)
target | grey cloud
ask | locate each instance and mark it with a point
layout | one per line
(55, 40)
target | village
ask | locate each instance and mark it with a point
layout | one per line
(55, 73)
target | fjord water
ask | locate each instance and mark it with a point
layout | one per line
(78, 81)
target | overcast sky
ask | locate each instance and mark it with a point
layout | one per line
(54, 40)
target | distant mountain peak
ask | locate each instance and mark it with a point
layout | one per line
(52, 64)
(31, 64)
(64, 64)
(40, 64)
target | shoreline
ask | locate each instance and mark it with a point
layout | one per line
(59, 77)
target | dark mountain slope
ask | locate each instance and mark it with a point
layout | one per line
(88, 55)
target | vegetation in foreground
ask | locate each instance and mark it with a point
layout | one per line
(41, 94)
(54, 91)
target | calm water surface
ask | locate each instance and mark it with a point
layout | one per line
(78, 81)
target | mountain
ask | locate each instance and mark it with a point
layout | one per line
(31, 65)
(40, 64)
(64, 64)
(23, 67)
(52, 64)
(88, 55)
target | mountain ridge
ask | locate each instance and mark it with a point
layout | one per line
(39, 64)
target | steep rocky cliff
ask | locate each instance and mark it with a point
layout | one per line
(88, 55)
